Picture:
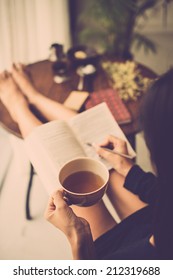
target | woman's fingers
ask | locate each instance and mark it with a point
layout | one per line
(49, 209)
(118, 162)
(55, 201)
(112, 143)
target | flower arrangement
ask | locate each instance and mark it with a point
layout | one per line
(126, 78)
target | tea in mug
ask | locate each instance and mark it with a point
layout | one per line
(83, 182)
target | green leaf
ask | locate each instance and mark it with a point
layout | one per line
(140, 41)
(144, 5)
(111, 23)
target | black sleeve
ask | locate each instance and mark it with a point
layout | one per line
(139, 250)
(144, 184)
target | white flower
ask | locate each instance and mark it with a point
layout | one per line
(126, 77)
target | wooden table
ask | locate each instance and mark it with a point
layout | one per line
(41, 75)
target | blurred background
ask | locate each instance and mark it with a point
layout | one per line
(29, 28)
(140, 30)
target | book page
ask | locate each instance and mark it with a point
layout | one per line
(94, 125)
(48, 147)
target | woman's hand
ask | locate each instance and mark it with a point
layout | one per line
(120, 164)
(62, 216)
(76, 229)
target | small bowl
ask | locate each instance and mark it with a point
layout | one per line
(82, 55)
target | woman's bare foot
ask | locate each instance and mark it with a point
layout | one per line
(11, 96)
(23, 81)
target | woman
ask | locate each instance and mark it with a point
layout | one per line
(143, 203)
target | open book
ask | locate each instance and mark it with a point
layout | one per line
(52, 144)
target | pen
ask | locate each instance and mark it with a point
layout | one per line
(112, 151)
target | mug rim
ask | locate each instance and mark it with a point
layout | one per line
(86, 193)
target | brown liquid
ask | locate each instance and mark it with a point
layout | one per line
(83, 182)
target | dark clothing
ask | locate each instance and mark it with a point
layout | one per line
(129, 240)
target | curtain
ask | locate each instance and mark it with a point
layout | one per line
(29, 27)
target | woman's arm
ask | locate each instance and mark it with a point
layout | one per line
(142, 183)
(76, 229)
(135, 179)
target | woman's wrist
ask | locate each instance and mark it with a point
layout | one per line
(124, 167)
(81, 242)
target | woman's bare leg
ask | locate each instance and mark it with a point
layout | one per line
(50, 109)
(16, 104)
(124, 201)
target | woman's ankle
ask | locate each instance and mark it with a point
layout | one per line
(31, 95)
(34, 97)
(19, 109)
